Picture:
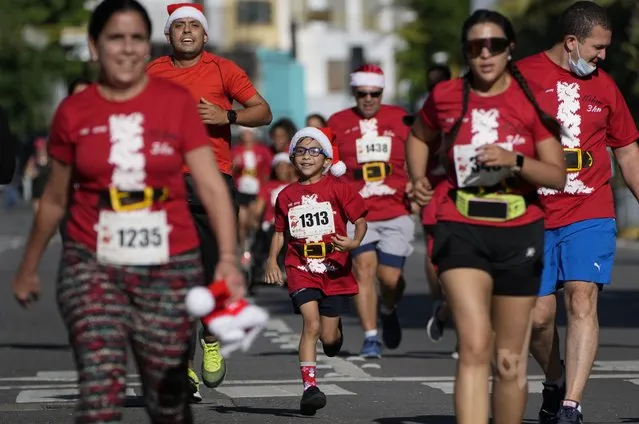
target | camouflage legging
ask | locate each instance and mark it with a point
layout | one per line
(105, 308)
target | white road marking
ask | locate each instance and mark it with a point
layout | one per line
(371, 365)
(283, 335)
(616, 366)
(289, 390)
(54, 395)
(448, 387)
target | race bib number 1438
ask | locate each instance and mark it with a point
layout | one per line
(133, 238)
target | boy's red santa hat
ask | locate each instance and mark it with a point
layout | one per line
(186, 10)
(368, 75)
(326, 138)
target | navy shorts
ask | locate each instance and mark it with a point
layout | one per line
(329, 306)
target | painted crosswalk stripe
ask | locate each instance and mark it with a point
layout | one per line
(448, 387)
(55, 395)
(287, 390)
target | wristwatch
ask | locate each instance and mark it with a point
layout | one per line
(232, 116)
(519, 163)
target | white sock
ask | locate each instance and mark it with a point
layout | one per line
(370, 333)
(572, 404)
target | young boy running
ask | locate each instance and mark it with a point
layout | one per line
(313, 212)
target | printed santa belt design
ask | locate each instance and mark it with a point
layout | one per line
(373, 171)
(577, 159)
(122, 201)
(315, 250)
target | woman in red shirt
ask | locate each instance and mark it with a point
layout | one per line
(131, 251)
(498, 147)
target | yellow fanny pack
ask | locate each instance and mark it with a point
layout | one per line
(496, 207)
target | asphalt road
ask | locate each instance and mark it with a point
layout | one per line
(412, 384)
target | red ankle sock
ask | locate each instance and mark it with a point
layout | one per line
(308, 374)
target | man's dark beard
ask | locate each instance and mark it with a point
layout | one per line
(187, 55)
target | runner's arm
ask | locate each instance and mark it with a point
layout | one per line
(549, 170)
(417, 151)
(53, 206)
(360, 230)
(277, 242)
(213, 193)
(256, 112)
(628, 160)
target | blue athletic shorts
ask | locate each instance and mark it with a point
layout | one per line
(583, 251)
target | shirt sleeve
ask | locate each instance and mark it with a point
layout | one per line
(237, 83)
(192, 128)
(264, 192)
(280, 215)
(60, 146)
(622, 130)
(428, 113)
(352, 202)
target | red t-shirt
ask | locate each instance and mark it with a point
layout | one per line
(506, 117)
(381, 139)
(595, 116)
(305, 212)
(254, 162)
(436, 174)
(218, 80)
(268, 193)
(85, 132)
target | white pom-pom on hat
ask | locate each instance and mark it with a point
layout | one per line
(199, 302)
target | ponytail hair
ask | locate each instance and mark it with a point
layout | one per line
(448, 139)
(551, 124)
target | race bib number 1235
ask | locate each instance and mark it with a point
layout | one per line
(133, 238)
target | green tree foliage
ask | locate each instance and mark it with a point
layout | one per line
(31, 66)
(436, 28)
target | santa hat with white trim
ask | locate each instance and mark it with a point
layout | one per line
(186, 10)
(326, 138)
(281, 157)
(368, 75)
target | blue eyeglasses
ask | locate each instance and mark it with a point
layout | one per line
(313, 151)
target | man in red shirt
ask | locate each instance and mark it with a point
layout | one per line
(215, 83)
(580, 240)
(370, 140)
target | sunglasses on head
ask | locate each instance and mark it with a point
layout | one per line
(495, 46)
(373, 94)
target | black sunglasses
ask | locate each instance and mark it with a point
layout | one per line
(495, 46)
(373, 94)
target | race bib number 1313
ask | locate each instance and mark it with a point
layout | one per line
(311, 221)
(133, 238)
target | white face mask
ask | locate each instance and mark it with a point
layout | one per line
(581, 67)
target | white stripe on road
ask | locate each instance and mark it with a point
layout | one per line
(289, 390)
(448, 387)
(342, 379)
(55, 395)
(281, 334)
